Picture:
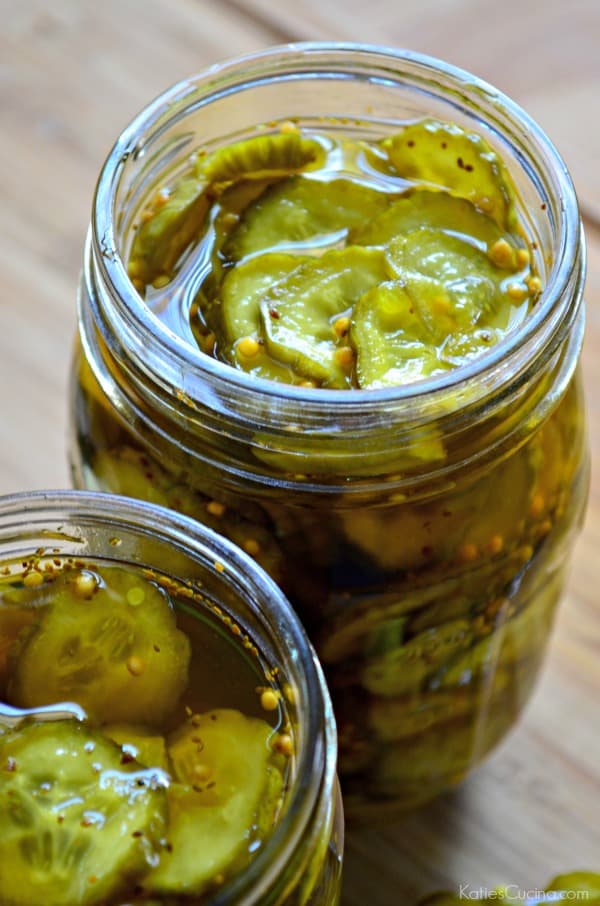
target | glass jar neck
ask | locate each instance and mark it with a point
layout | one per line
(159, 380)
(72, 524)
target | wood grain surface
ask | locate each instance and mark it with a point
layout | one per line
(72, 73)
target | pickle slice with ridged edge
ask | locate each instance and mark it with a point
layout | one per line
(434, 210)
(451, 158)
(116, 651)
(391, 335)
(298, 312)
(176, 215)
(224, 799)
(260, 157)
(301, 209)
(476, 284)
(243, 288)
(78, 824)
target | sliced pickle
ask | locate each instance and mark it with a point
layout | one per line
(175, 217)
(301, 212)
(434, 210)
(242, 291)
(392, 719)
(78, 823)
(115, 651)
(448, 304)
(224, 800)
(483, 520)
(451, 158)
(298, 312)
(478, 296)
(405, 668)
(168, 228)
(140, 743)
(128, 471)
(393, 341)
(260, 157)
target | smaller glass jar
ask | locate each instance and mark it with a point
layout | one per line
(299, 863)
(422, 532)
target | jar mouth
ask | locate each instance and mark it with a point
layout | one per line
(76, 522)
(173, 361)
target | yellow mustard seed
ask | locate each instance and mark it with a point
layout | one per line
(535, 285)
(495, 545)
(523, 257)
(31, 580)
(269, 700)
(135, 665)
(161, 281)
(284, 744)
(202, 773)
(341, 326)
(344, 356)
(289, 693)
(310, 384)
(467, 553)
(252, 547)
(288, 128)
(248, 347)
(517, 292)
(219, 567)
(215, 508)
(536, 507)
(502, 253)
(85, 584)
(134, 268)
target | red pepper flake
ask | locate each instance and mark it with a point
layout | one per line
(273, 313)
(444, 145)
(410, 143)
(127, 758)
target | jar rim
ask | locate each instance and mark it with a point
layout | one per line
(23, 517)
(552, 314)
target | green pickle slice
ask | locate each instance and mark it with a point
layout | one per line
(433, 210)
(78, 823)
(110, 643)
(452, 158)
(177, 215)
(289, 305)
(299, 312)
(223, 801)
(304, 213)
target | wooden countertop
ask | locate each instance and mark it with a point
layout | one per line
(72, 73)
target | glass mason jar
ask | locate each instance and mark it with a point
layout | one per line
(300, 862)
(422, 532)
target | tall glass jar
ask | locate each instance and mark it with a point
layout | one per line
(422, 532)
(299, 864)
